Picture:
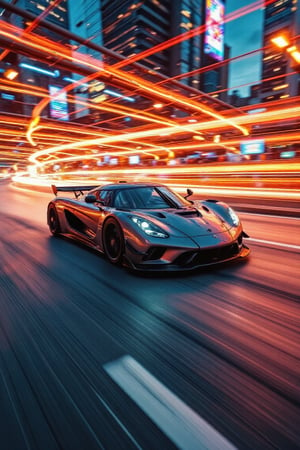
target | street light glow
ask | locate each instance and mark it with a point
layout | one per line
(280, 41)
(11, 74)
(295, 54)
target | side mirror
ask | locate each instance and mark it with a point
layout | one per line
(90, 198)
(189, 193)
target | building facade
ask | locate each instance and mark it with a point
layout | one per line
(281, 17)
(131, 27)
(38, 73)
(85, 21)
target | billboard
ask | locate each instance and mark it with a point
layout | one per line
(58, 103)
(214, 33)
(253, 147)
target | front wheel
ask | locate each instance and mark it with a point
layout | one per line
(113, 241)
(53, 220)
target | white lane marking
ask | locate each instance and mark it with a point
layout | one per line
(272, 216)
(278, 244)
(178, 421)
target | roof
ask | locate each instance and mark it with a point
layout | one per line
(124, 185)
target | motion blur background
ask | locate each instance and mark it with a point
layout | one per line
(91, 85)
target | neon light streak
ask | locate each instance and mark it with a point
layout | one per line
(54, 74)
(285, 138)
(116, 94)
(253, 118)
(133, 81)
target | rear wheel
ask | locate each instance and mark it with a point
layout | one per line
(53, 220)
(113, 241)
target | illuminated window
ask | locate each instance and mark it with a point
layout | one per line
(55, 15)
(186, 13)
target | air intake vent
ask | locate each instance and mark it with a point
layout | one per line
(207, 256)
(157, 214)
(154, 253)
(189, 213)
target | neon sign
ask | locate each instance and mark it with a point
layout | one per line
(214, 34)
(58, 103)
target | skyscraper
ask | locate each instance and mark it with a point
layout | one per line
(32, 72)
(186, 56)
(85, 21)
(131, 27)
(281, 18)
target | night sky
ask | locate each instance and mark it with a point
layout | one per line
(244, 35)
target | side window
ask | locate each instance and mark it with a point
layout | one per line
(104, 196)
(122, 200)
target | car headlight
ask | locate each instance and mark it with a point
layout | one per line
(234, 217)
(149, 228)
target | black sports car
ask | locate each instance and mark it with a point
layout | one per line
(148, 226)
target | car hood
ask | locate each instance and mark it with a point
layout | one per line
(187, 222)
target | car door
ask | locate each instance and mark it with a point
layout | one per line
(89, 215)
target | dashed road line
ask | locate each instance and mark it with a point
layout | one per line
(275, 244)
(183, 426)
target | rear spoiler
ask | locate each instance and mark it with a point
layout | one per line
(78, 190)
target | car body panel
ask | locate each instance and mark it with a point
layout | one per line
(196, 234)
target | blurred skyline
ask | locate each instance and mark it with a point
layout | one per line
(244, 35)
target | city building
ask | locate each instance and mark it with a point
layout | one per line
(37, 73)
(282, 18)
(131, 27)
(85, 21)
(213, 49)
(127, 28)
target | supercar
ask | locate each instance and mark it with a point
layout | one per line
(147, 226)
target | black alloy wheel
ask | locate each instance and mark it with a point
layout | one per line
(53, 220)
(113, 241)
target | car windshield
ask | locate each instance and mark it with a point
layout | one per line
(149, 197)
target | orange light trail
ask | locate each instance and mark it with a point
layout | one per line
(22, 91)
(34, 24)
(277, 77)
(219, 176)
(154, 89)
(117, 109)
(238, 122)
(39, 43)
(294, 137)
(122, 151)
(223, 63)
(210, 67)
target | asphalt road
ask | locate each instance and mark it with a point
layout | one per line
(93, 356)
